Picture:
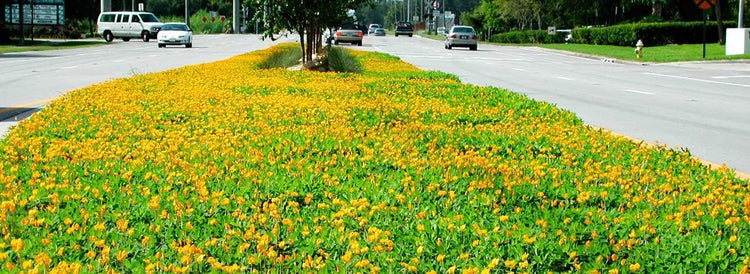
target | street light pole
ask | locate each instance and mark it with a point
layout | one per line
(187, 14)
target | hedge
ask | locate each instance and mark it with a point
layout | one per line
(652, 34)
(529, 37)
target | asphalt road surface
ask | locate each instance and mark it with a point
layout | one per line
(703, 107)
(30, 80)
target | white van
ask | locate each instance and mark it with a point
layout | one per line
(127, 24)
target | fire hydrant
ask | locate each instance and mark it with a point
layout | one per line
(639, 48)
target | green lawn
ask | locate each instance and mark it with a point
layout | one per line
(670, 53)
(40, 45)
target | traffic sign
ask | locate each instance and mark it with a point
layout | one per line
(705, 4)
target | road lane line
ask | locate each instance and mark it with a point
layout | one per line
(564, 78)
(518, 69)
(695, 79)
(732, 76)
(70, 67)
(639, 92)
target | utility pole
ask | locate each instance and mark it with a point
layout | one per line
(741, 15)
(443, 14)
(187, 14)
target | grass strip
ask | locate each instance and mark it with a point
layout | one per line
(46, 45)
(660, 54)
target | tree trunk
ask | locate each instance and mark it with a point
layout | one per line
(656, 8)
(302, 43)
(719, 22)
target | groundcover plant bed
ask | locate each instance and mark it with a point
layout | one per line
(227, 167)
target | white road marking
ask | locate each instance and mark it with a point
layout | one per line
(118, 61)
(70, 67)
(639, 92)
(699, 80)
(518, 69)
(732, 76)
(564, 78)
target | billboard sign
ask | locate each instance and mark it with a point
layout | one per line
(38, 12)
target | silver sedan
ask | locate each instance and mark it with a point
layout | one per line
(461, 36)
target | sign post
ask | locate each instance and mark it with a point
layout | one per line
(705, 5)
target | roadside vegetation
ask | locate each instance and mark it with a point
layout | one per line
(227, 167)
(41, 45)
(668, 53)
(281, 57)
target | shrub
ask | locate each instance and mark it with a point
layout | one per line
(285, 56)
(652, 34)
(528, 37)
(200, 27)
(340, 60)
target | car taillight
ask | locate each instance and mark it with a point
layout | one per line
(338, 33)
(473, 37)
(453, 36)
(359, 34)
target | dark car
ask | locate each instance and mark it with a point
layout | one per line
(404, 28)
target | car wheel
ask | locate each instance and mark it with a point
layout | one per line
(108, 37)
(145, 36)
(161, 45)
(359, 44)
(396, 34)
(409, 35)
(450, 47)
(336, 42)
(473, 48)
(125, 39)
(189, 45)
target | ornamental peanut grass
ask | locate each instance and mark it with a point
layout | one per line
(226, 167)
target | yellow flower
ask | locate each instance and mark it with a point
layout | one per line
(504, 218)
(122, 255)
(347, 257)
(510, 264)
(43, 259)
(362, 264)
(634, 267)
(16, 245)
(440, 258)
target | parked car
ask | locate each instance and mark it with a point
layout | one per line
(461, 36)
(371, 29)
(380, 32)
(404, 28)
(349, 34)
(126, 25)
(175, 34)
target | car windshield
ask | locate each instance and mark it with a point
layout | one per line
(150, 18)
(404, 24)
(175, 27)
(463, 29)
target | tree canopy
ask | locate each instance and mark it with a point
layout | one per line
(306, 18)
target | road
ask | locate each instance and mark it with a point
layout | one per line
(30, 80)
(704, 107)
